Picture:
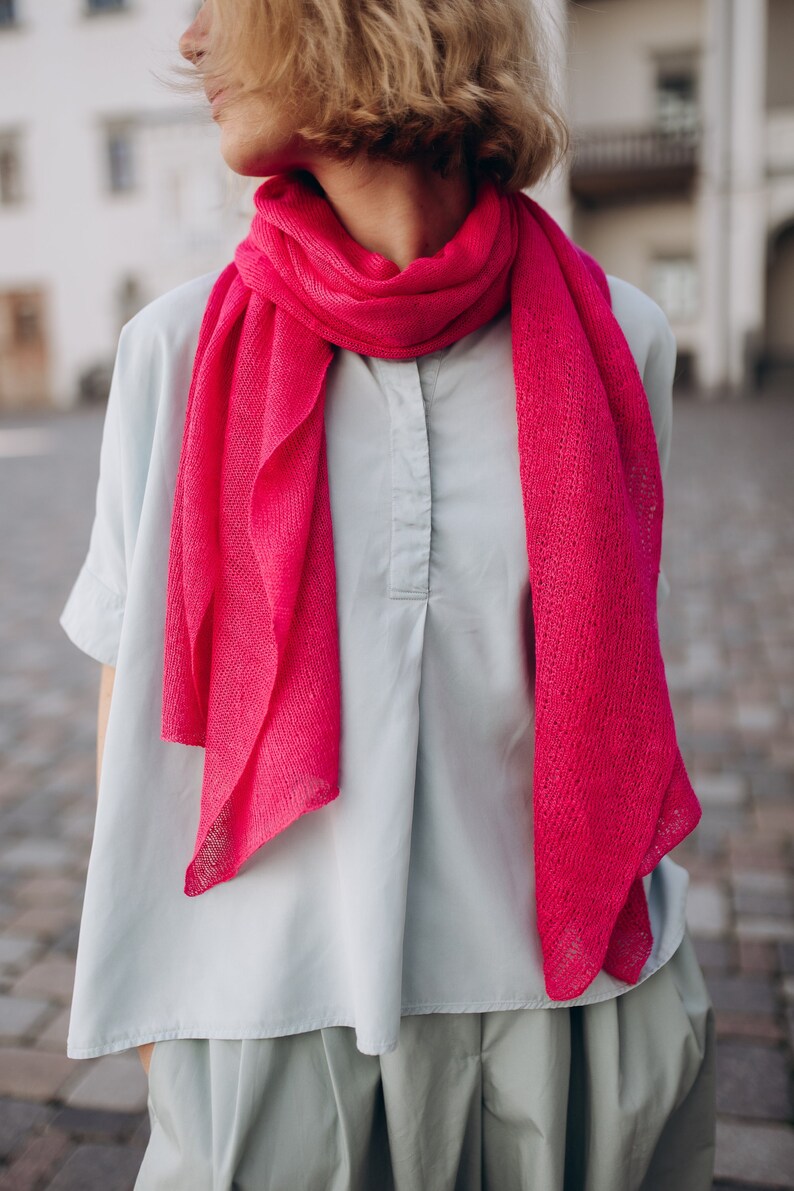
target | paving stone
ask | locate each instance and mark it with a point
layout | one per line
(775, 817)
(140, 1138)
(721, 789)
(725, 821)
(66, 943)
(772, 783)
(52, 977)
(785, 951)
(98, 1168)
(92, 1124)
(40, 1159)
(700, 868)
(19, 1016)
(752, 852)
(703, 658)
(757, 956)
(17, 1120)
(753, 1081)
(32, 1074)
(742, 994)
(781, 753)
(54, 1034)
(113, 1082)
(42, 922)
(78, 826)
(38, 854)
(709, 713)
(731, 1185)
(49, 891)
(713, 835)
(755, 1152)
(707, 911)
(749, 1025)
(707, 744)
(27, 817)
(772, 929)
(754, 881)
(16, 952)
(757, 717)
(718, 955)
(764, 904)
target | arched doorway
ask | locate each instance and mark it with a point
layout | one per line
(777, 368)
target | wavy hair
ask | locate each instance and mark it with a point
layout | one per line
(456, 80)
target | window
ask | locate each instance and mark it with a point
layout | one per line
(27, 330)
(120, 153)
(676, 94)
(10, 169)
(129, 297)
(674, 285)
(106, 5)
(8, 13)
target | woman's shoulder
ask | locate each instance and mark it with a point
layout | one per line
(151, 379)
(644, 324)
(154, 359)
(173, 317)
(653, 345)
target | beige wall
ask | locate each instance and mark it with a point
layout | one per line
(625, 239)
(744, 51)
(62, 75)
(622, 37)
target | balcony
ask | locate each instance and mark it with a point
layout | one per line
(615, 165)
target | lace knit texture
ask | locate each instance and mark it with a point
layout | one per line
(251, 667)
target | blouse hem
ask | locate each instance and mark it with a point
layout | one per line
(384, 1046)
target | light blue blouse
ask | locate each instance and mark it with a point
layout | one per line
(412, 892)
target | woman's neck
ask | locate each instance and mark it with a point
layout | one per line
(400, 211)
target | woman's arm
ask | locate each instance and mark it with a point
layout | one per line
(106, 681)
(105, 692)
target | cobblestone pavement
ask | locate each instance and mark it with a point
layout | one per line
(728, 640)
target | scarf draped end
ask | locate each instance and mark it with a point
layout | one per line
(229, 839)
(629, 939)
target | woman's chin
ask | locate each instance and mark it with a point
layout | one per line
(260, 157)
(239, 159)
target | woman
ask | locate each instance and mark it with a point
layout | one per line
(378, 529)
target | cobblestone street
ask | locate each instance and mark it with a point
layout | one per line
(728, 640)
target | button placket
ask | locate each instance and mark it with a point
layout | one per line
(409, 558)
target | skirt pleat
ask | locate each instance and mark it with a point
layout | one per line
(617, 1095)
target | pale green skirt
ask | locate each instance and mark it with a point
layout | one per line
(618, 1095)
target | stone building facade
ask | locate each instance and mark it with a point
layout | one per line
(112, 188)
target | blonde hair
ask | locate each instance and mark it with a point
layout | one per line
(457, 80)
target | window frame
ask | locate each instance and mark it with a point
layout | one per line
(120, 128)
(682, 269)
(105, 8)
(11, 138)
(677, 65)
(11, 18)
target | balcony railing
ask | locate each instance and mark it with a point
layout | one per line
(618, 164)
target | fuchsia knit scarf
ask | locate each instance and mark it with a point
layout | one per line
(251, 668)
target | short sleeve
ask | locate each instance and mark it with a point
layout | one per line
(94, 611)
(658, 382)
